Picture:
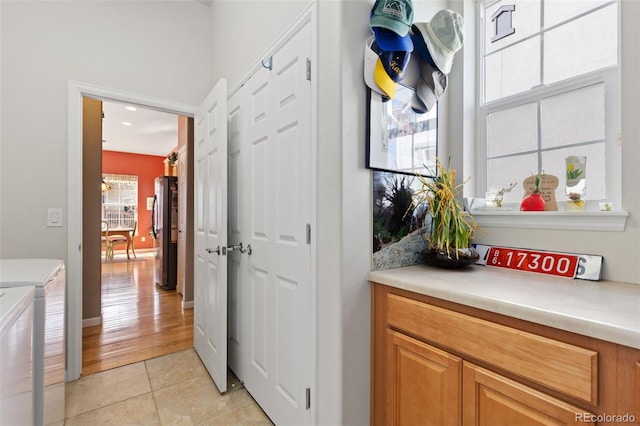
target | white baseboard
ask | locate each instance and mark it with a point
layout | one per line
(90, 322)
(187, 305)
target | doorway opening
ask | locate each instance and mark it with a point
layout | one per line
(138, 320)
(79, 290)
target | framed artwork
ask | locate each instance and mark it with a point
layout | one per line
(400, 139)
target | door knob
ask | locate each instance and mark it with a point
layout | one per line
(215, 250)
(240, 248)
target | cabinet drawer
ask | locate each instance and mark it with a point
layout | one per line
(566, 368)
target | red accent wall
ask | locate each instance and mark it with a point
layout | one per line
(147, 168)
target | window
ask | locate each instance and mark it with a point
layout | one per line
(549, 89)
(120, 201)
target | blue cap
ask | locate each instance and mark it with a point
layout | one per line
(395, 63)
(392, 42)
(420, 45)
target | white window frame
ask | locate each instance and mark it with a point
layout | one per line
(114, 180)
(592, 219)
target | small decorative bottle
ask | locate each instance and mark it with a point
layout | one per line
(576, 167)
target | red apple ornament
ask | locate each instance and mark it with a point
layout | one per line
(534, 201)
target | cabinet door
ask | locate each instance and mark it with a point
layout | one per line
(491, 399)
(423, 383)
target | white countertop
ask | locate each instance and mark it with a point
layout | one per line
(604, 310)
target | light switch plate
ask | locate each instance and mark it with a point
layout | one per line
(54, 218)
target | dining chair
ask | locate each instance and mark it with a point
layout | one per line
(104, 240)
(116, 240)
(123, 239)
(133, 234)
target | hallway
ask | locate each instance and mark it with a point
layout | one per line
(139, 320)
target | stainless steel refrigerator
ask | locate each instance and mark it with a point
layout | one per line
(164, 221)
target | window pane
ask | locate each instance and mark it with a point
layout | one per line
(556, 11)
(525, 19)
(553, 163)
(512, 130)
(512, 70)
(119, 204)
(503, 171)
(581, 46)
(574, 117)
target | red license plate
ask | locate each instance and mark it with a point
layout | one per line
(543, 262)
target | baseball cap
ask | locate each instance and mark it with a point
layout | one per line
(442, 36)
(431, 85)
(383, 70)
(390, 70)
(370, 60)
(419, 46)
(394, 15)
(390, 41)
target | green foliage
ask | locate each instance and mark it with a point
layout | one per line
(452, 228)
(573, 173)
(393, 208)
(173, 157)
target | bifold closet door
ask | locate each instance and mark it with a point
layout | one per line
(276, 209)
(210, 253)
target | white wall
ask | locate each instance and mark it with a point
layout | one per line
(243, 30)
(356, 201)
(158, 49)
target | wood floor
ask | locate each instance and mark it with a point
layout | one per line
(139, 320)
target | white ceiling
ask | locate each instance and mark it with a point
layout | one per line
(151, 132)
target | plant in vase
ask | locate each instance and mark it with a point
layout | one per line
(173, 157)
(576, 182)
(496, 199)
(452, 228)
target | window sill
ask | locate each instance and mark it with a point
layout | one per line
(565, 220)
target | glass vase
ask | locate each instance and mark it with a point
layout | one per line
(576, 186)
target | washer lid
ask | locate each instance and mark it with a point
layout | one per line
(13, 302)
(25, 272)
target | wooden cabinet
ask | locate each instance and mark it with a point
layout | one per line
(491, 399)
(424, 383)
(439, 363)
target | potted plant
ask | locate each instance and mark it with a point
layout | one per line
(173, 157)
(452, 228)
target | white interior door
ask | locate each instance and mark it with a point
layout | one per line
(277, 201)
(236, 105)
(182, 218)
(210, 287)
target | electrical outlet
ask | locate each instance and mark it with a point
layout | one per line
(142, 239)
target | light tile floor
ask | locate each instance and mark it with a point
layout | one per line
(171, 390)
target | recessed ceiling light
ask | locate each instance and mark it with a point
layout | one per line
(126, 123)
(131, 108)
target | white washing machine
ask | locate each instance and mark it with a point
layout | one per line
(49, 331)
(16, 345)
